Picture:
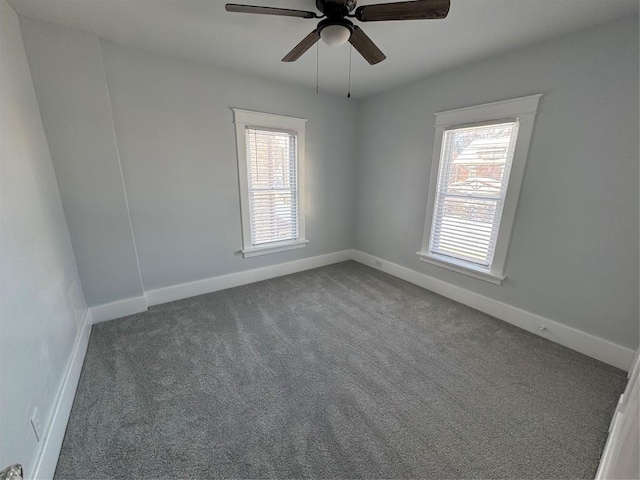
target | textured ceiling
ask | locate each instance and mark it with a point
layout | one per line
(254, 44)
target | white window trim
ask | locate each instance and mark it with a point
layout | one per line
(247, 118)
(524, 110)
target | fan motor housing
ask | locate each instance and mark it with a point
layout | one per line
(333, 9)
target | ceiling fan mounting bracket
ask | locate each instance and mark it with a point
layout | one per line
(335, 9)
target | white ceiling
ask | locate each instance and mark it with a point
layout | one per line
(254, 44)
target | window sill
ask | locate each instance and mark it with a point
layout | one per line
(273, 248)
(460, 266)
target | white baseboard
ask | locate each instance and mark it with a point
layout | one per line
(208, 285)
(598, 348)
(570, 337)
(119, 309)
(47, 459)
(620, 455)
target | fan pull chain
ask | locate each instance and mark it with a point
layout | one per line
(317, 68)
(349, 85)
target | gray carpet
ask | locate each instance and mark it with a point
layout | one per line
(338, 372)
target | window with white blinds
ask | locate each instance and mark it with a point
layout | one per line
(270, 170)
(273, 185)
(476, 174)
(472, 185)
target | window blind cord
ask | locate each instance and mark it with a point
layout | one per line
(349, 84)
(317, 68)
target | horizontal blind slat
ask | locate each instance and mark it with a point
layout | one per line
(454, 240)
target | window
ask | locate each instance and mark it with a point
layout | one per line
(477, 170)
(270, 167)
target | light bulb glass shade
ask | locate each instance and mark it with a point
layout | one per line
(335, 35)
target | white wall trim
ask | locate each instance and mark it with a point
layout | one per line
(49, 452)
(500, 109)
(208, 285)
(620, 456)
(263, 119)
(460, 266)
(244, 119)
(598, 348)
(119, 309)
(273, 248)
(522, 111)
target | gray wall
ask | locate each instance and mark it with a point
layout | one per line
(74, 103)
(574, 249)
(42, 306)
(175, 142)
(177, 145)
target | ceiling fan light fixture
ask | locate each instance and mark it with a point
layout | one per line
(335, 35)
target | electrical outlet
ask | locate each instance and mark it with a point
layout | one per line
(36, 424)
(378, 264)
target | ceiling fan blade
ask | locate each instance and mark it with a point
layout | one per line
(285, 12)
(365, 46)
(415, 10)
(306, 43)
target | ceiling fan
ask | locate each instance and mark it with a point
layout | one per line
(335, 28)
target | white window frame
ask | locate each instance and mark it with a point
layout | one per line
(244, 119)
(524, 111)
